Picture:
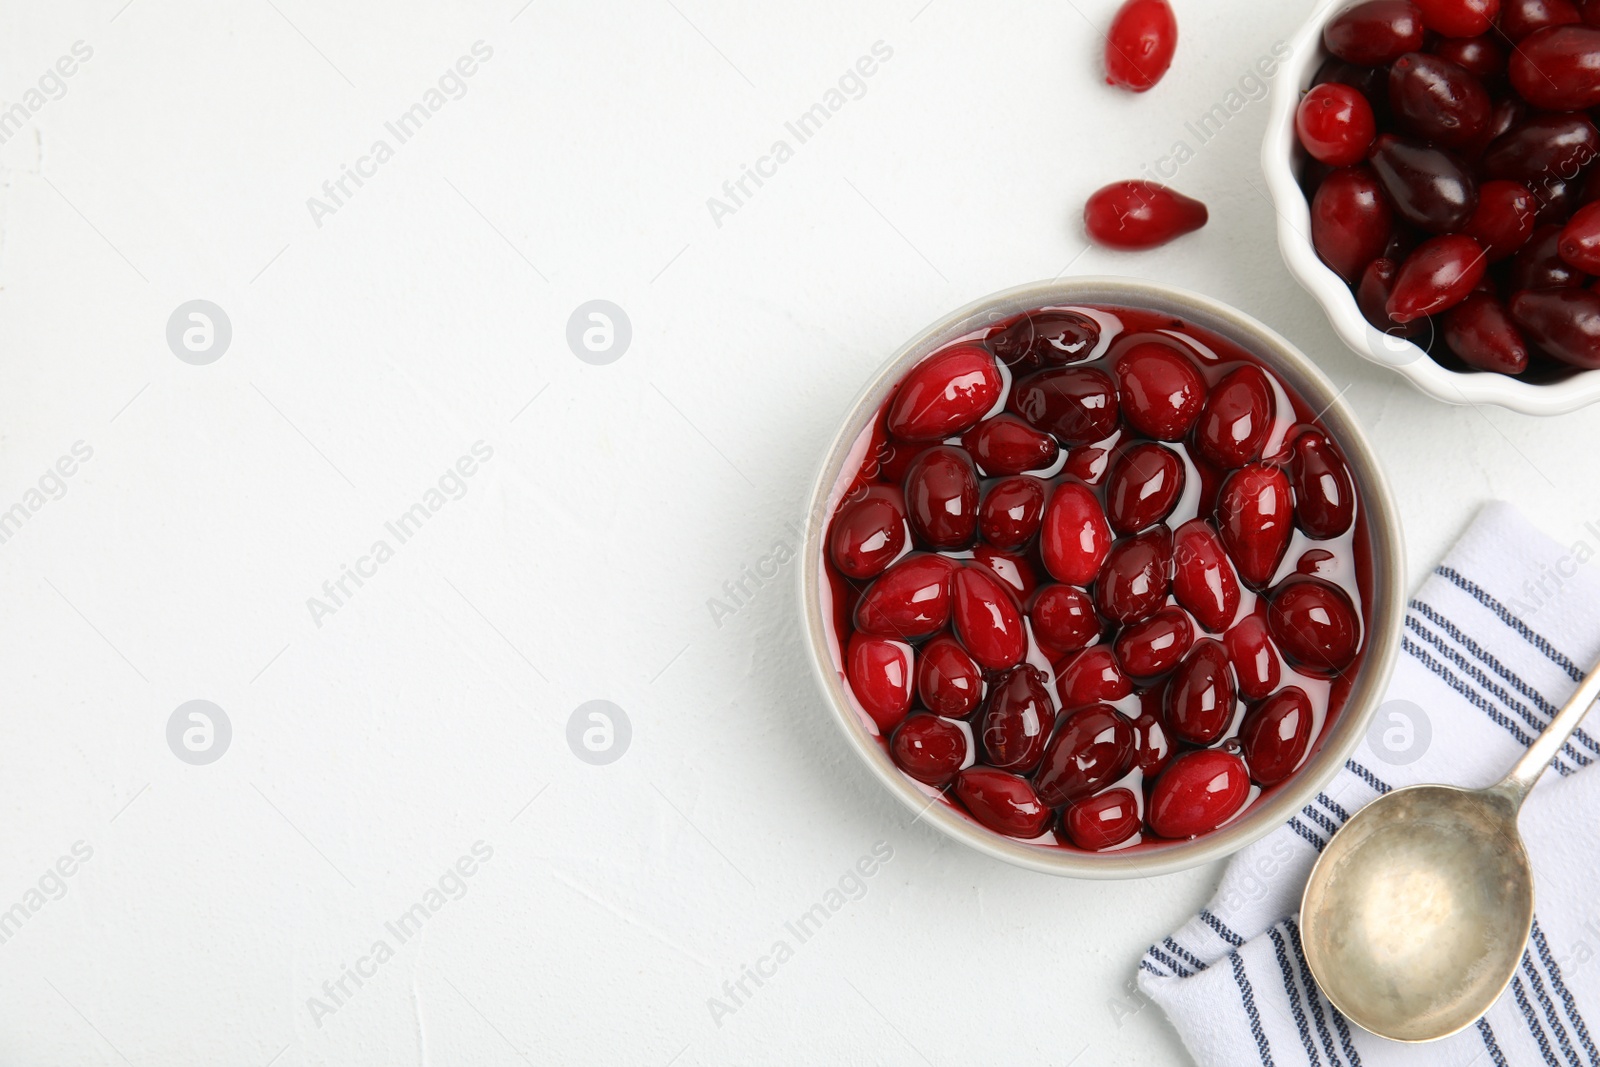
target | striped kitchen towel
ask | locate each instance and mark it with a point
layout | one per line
(1494, 642)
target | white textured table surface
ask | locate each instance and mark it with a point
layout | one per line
(382, 732)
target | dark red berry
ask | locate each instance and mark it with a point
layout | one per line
(1017, 720)
(1063, 619)
(1153, 647)
(1012, 511)
(1092, 749)
(869, 534)
(1161, 390)
(1314, 623)
(1201, 698)
(1439, 101)
(911, 599)
(942, 498)
(1203, 578)
(1256, 665)
(1519, 18)
(1046, 338)
(1144, 487)
(1459, 18)
(1324, 497)
(1007, 445)
(1076, 404)
(1504, 219)
(1255, 516)
(1136, 577)
(1558, 68)
(1003, 802)
(1350, 221)
(1579, 243)
(1235, 419)
(1429, 188)
(1480, 331)
(1092, 676)
(1097, 823)
(1375, 32)
(1276, 734)
(949, 683)
(1563, 322)
(930, 749)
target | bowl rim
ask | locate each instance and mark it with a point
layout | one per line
(1385, 613)
(1336, 298)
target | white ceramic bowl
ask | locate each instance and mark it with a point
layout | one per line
(1280, 159)
(1384, 612)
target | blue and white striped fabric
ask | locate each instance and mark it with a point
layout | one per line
(1495, 641)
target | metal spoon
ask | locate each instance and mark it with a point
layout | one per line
(1418, 911)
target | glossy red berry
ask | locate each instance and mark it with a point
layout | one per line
(1255, 516)
(1090, 463)
(1504, 219)
(1198, 792)
(1092, 676)
(1063, 619)
(1335, 124)
(1351, 221)
(1161, 390)
(1276, 734)
(1372, 297)
(1153, 746)
(1484, 55)
(1235, 419)
(1374, 33)
(1075, 537)
(949, 682)
(1439, 101)
(1201, 698)
(1579, 243)
(1558, 68)
(930, 749)
(880, 671)
(1519, 18)
(945, 394)
(1563, 322)
(1324, 496)
(1436, 277)
(1005, 803)
(1140, 214)
(1542, 150)
(1459, 18)
(1100, 822)
(1314, 623)
(1007, 445)
(869, 534)
(1136, 578)
(1012, 511)
(1203, 577)
(1017, 721)
(1092, 749)
(987, 619)
(1480, 331)
(1076, 404)
(1153, 647)
(1140, 44)
(1429, 188)
(1256, 664)
(911, 599)
(1540, 264)
(1045, 338)
(942, 498)
(1144, 487)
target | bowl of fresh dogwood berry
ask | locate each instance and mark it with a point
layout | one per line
(1434, 167)
(1101, 577)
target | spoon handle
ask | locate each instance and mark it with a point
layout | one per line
(1516, 785)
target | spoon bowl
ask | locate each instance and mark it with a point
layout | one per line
(1430, 897)
(1419, 908)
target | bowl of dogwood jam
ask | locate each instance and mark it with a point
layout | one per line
(1102, 578)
